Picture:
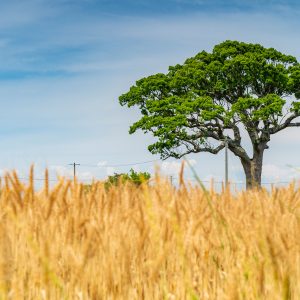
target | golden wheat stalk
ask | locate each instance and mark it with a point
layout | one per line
(152, 241)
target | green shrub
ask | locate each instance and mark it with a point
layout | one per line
(135, 177)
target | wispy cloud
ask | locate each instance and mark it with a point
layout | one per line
(275, 173)
(69, 42)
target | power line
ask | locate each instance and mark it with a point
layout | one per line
(173, 178)
(36, 179)
(53, 180)
(120, 165)
(232, 182)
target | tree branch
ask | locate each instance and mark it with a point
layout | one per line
(294, 124)
(216, 131)
(196, 149)
(286, 124)
(237, 149)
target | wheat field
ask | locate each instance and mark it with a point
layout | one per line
(154, 241)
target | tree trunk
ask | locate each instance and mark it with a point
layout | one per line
(253, 169)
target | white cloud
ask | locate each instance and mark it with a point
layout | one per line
(110, 171)
(192, 162)
(173, 167)
(68, 173)
(102, 163)
(276, 173)
(61, 171)
(85, 176)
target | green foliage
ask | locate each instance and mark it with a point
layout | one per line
(188, 108)
(134, 177)
(256, 109)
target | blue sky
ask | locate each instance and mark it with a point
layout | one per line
(63, 64)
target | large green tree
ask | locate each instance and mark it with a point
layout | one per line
(209, 99)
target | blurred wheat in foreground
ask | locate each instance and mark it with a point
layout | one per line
(149, 242)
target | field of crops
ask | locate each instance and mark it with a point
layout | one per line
(148, 242)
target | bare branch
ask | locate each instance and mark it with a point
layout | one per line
(294, 124)
(198, 149)
(207, 134)
(287, 123)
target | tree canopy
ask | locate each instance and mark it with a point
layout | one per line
(195, 106)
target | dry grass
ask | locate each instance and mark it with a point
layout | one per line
(151, 242)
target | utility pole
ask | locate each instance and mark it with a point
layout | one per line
(74, 169)
(226, 162)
